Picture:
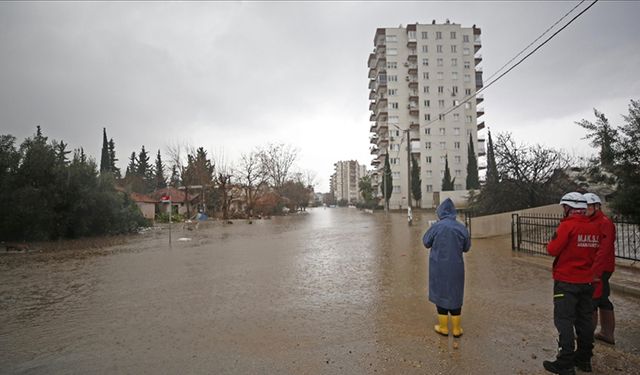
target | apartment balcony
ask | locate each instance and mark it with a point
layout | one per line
(412, 43)
(372, 105)
(382, 126)
(372, 72)
(379, 38)
(481, 125)
(413, 97)
(413, 81)
(413, 68)
(479, 80)
(375, 162)
(413, 55)
(479, 111)
(415, 147)
(383, 142)
(481, 148)
(373, 150)
(373, 128)
(372, 117)
(478, 58)
(372, 62)
(414, 125)
(414, 111)
(479, 98)
(476, 31)
(372, 84)
(373, 95)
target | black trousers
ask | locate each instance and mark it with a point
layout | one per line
(572, 310)
(443, 311)
(603, 302)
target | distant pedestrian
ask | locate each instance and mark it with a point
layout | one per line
(448, 240)
(574, 246)
(603, 267)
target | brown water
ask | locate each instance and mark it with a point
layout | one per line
(335, 291)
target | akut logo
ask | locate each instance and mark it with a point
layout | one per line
(588, 240)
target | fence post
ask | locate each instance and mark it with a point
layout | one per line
(514, 218)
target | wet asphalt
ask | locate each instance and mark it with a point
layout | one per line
(333, 291)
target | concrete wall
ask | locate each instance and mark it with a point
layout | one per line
(148, 210)
(500, 224)
(460, 198)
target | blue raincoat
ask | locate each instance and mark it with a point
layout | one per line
(448, 239)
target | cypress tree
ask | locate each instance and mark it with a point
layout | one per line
(387, 185)
(105, 165)
(473, 180)
(447, 182)
(161, 181)
(492, 168)
(416, 182)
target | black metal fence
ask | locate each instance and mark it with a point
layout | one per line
(531, 233)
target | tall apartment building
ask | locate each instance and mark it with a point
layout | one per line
(418, 73)
(344, 182)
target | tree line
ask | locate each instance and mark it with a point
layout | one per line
(51, 192)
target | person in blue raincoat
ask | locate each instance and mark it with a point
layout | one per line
(448, 240)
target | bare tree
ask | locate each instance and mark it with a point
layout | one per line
(277, 161)
(250, 174)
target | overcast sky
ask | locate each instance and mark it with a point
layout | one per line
(234, 76)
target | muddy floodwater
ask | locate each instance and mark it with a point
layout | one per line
(333, 291)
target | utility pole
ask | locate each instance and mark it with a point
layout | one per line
(409, 214)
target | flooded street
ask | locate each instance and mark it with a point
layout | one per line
(334, 291)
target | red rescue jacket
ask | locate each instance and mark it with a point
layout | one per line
(574, 245)
(606, 254)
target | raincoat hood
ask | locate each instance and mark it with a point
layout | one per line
(446, 210)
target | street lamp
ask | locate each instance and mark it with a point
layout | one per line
(409, 213)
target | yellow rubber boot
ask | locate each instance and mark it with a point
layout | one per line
(443, 325)
(455, 326)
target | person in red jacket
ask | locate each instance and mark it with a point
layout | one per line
(603, 267)
(574, 247)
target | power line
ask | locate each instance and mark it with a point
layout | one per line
(518, 63)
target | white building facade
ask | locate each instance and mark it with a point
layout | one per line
(344, 181)
(423, 83)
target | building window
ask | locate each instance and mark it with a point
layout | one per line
(440, 75)
(393, 119)
(443, 145)
(442, 131)
(465, 51)
(425, 89)
(468, 119)
(456, 145)
(457, 159)
(443, 159)
(394, 133)
(396, 189)
(465, 38)
(395, 175)
(458, 172)
(453, 35)
(392, 51)
(427, 131)
(427, 103)
(454, 75)
(412, 35)
(427, 159)
(438, 35)
(425, 75)
(457, 187)
(454, 89)
(427, 117)
(467, 105)
(467, 65)
(456, 117)
(440, 89)
(454, 62)
(392, 92)
(425, 62)
(429, 188)
(456, 131)
(425, 48)
(393, 105)
(427, 145)
(424, 35)
(439, 62)
(394, 161)
(393, 78)
(467, 92)
(441, 117)
(392, 65)
(439, 48)
(429, 173)
(441, 173)
(391, 38)
(454, 49)
(467, 78)
(441, 103)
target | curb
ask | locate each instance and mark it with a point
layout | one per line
(621, 285)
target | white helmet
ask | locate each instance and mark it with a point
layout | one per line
(592, 198)
(575, 200)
